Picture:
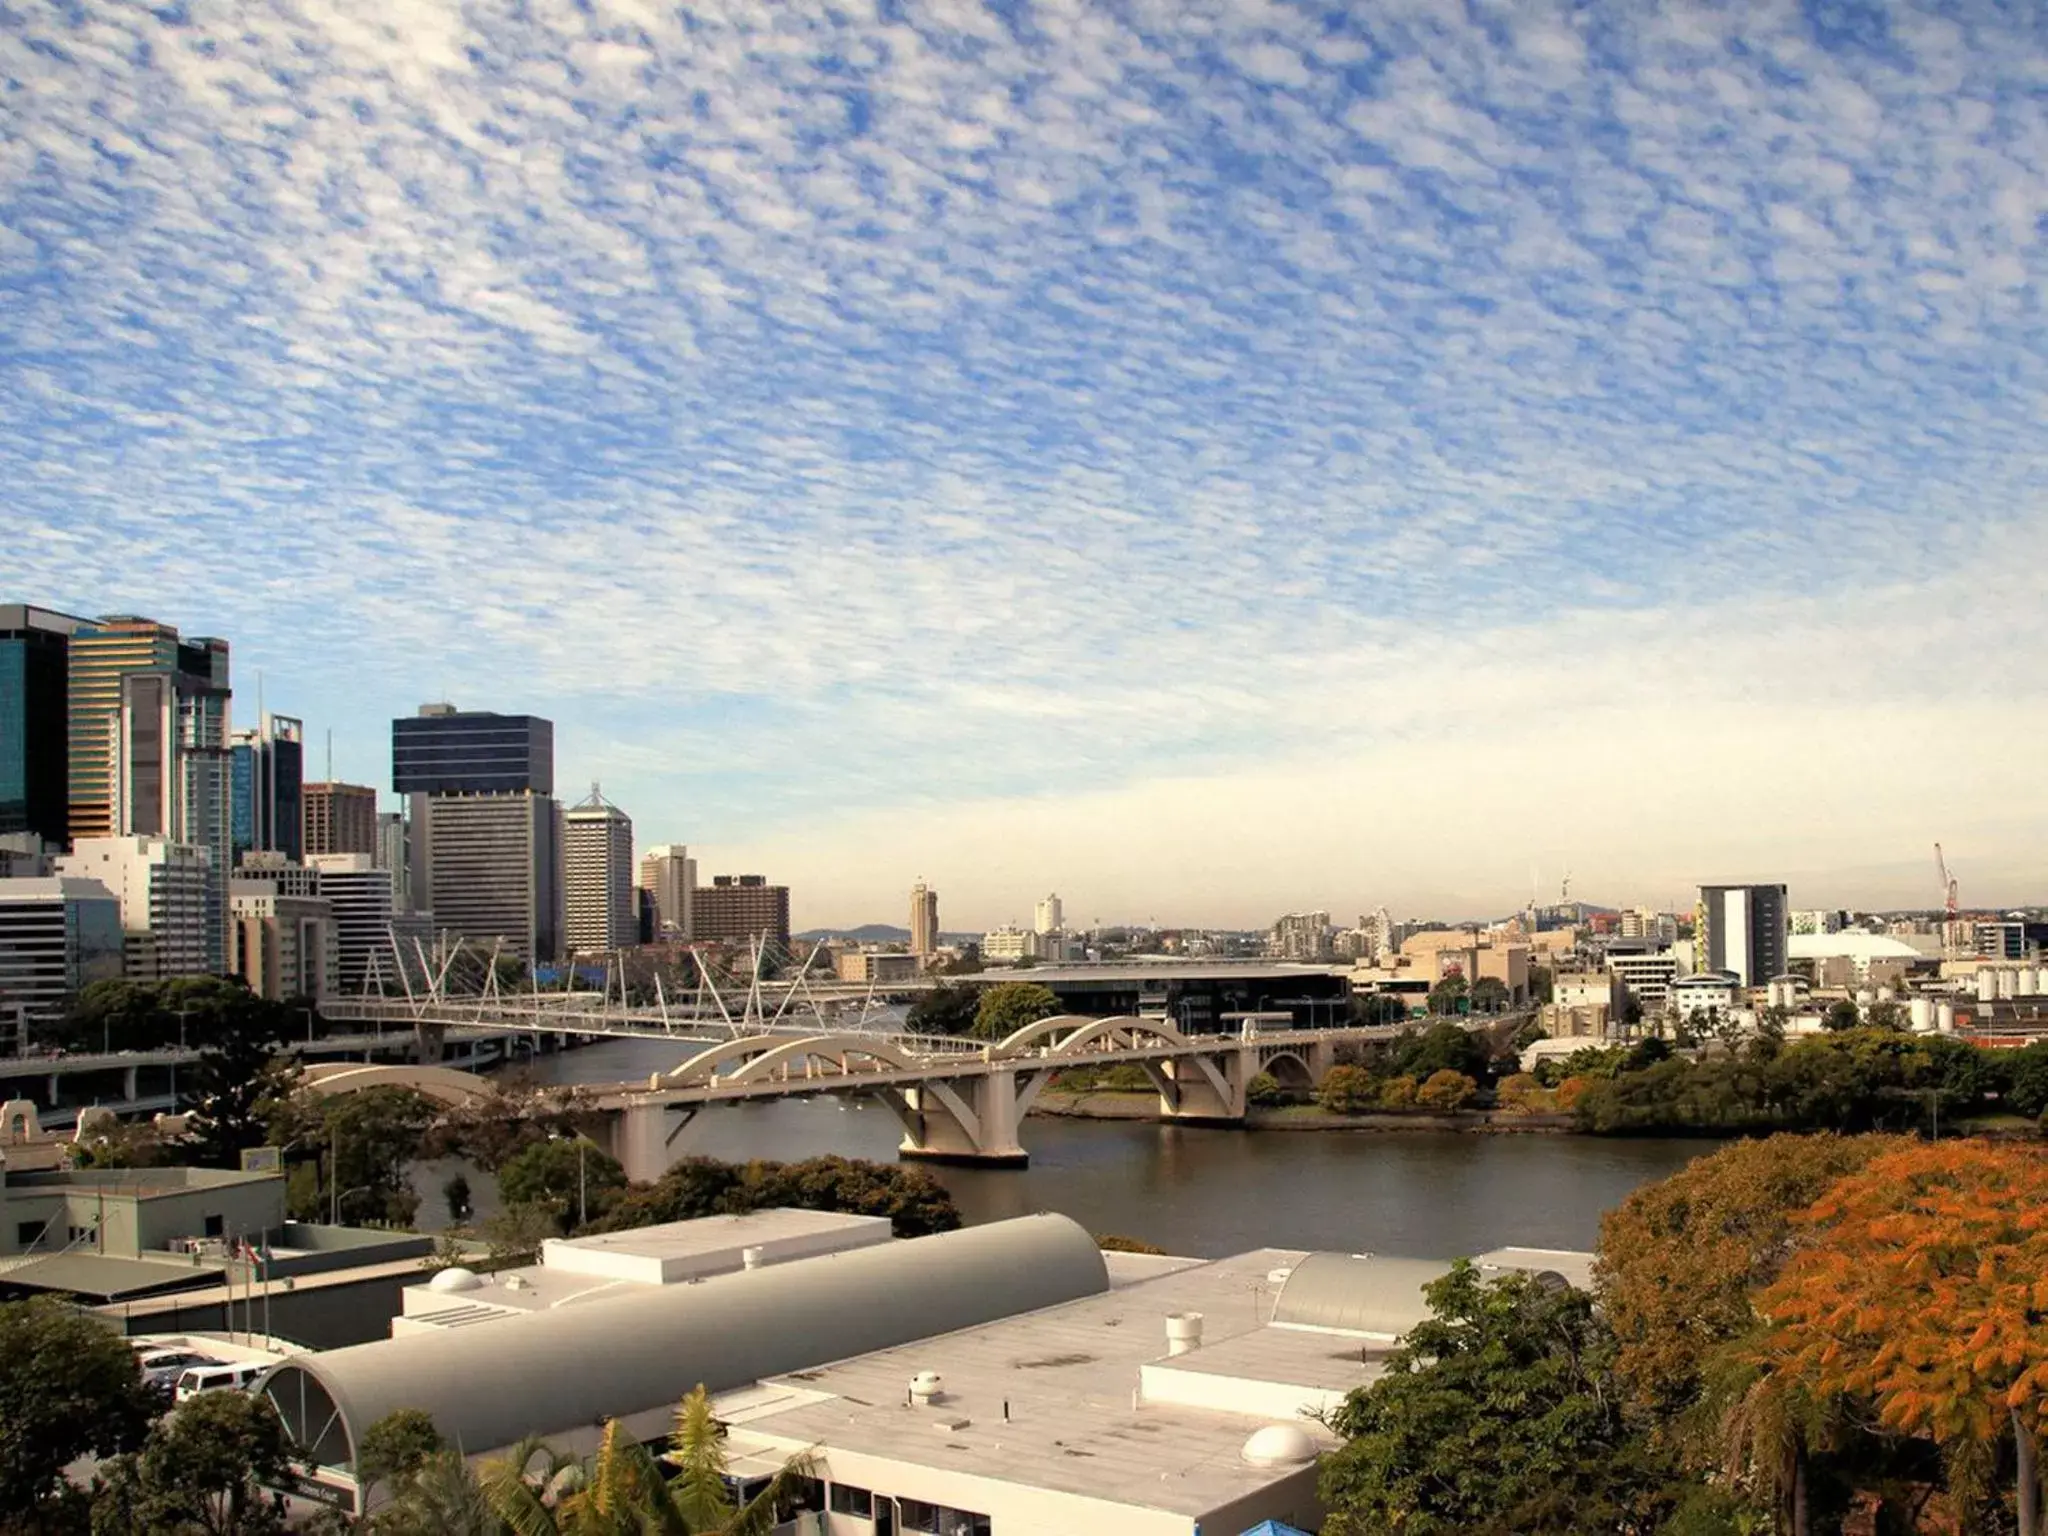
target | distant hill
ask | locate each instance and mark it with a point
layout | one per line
(866, 933)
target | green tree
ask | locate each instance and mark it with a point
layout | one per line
(69, 1387)
(623, 1491)
(571, 1177)
(1010, 1005)
(1449, 995)
(1842, 1014)
(1443, 1047)
(396, 1447)
(1264, 1091)
(948, 1009)
(440, 1497)
(358, 1148)
(914, 1202)
(1369, 1008)
(1489, 994)
(1498, 1416)
(201, 1470)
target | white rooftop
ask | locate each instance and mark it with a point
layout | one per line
(578, 1270)
(1849, 944)
(1069, 1379)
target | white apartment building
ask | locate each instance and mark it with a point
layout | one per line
(1645, 978)
(166, 894)
(362, 899)
(1301, 936)
(1050, 916)
(597, 877)
(1009, 944)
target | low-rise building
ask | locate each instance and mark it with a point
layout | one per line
(283, 946)
(1007, 945)
(877, 965)
(1705, 992)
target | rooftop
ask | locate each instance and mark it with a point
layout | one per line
(1068, 1378)
(1166, 968)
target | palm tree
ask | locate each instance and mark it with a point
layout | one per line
(620, 1491)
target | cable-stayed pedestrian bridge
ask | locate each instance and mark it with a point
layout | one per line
(958, 1101)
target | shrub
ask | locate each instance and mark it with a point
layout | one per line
(1522, 1094)
(1397, 1093)
(1346, 1091)
(1265, 1089)
(1447, 1090)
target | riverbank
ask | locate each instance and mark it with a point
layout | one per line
(1110, 1105)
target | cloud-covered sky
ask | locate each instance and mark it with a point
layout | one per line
(1210, 458)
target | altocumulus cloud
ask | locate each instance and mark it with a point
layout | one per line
(831, 413)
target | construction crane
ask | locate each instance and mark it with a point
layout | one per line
(1948, 884)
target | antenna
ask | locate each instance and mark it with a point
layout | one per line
(330, 754)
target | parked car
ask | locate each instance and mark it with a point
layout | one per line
(162, 1367)
(239, 1375)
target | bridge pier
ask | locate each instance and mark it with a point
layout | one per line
(1205, 1090)
(638, 1136)
(969, 1120)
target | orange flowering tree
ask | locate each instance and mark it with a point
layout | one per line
(1925, 1291)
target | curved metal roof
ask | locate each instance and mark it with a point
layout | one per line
(1357, 1293)
(552, 1372)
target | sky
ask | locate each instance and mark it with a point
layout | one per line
(1209, 459)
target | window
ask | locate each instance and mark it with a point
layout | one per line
(848, 1500)
(26, 1233)
(937, 1520)
(216, 1226)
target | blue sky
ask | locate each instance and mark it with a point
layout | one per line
(1209, 458)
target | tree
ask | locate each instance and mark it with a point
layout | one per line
(1842, 1014)
(1009, 1006)
(948, 1009)
(1679, 1259)
(1522, 1094)
(202, 1469)
(914, 1202)
(69, 1388)
(1489, 994)
(1496, 1416)
(1369, 1008)
(1446, 1090)
(396, 1447)
(623, 1491)
(1264, 1091)
(440, 1497)
(1397, 1093)
(568, 1177)
(1443, 1047)
(357, 1148)
(1448, 995)
(1347, 1090)
(1923, 1291)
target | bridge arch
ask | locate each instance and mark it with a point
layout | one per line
(1076, 1030)
(702, 1069)
(444, 1085)
(1289, 1071)
(833, 1048)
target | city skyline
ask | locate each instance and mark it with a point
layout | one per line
(1213, 463)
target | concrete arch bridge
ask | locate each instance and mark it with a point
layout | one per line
(961, 1105)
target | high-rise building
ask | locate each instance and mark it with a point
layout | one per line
(340, 818)
(1050, 918)
(737, 909)
(495, 874)
(484, 833)
(266, 771)
(599, 912)
(165, 890)
(58, 935)
(394, 840)
(670, 875)
(924, 921)
(360, 894)
(1743, 929)
(35, 721)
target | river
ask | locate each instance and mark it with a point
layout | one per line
(1205, 1192)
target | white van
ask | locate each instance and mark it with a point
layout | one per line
(214, 1378)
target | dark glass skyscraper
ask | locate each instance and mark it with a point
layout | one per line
(445, 751)
(268, 773)
(35, 721)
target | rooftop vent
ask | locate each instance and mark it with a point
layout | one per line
(455, 1279)
(1183, 1332)
(924, 1387)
